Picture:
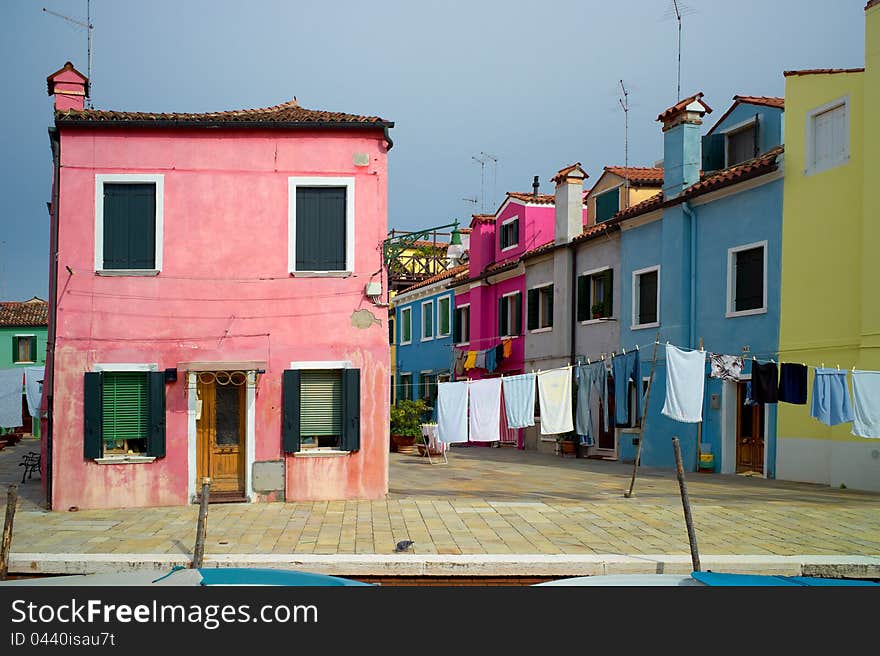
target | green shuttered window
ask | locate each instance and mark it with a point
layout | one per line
(607, 204)
(320, 228)
(321, 405)
(321, 409)
(24, 348)
(510, 315)
(406, 325)
(647, 301)
(129, 226)
(749, 292)
(443, 306)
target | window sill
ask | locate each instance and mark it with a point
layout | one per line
(509, 248)
(441, 335)
(591, 322)
(25, 362)
(745, 313)
(460, 344)
(546, 329)
(642, 326)
(815, 170)
(405, 343)
(427, 339)
(318, 453)
(124, 460)
(127, 272)
(320, 274)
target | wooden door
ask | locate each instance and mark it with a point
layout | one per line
(220, 429)
(749, 433)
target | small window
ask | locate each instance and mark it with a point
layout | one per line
(510, 315)
(596, 295)
(320, 409)
(24, 349)
(125, 410)
(462, 324)
(406, 325)
(828, 137)
(646, 298)
(540, 307)
(320, 228)
(746, 280)
(607, 204)
(404, 391)
(742, 144)
(510, 233)
(128, 226)
(429, 389)
(443, 319)
(427, 320)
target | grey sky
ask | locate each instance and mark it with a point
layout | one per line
(534, 84)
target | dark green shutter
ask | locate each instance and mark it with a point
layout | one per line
(583, 298)
(532, 309)
(757, 137)
(550, 306)
(713, 152)
(607, 204)
(15, 348)
(290, 388)
(502, 316)
(515, 230)
(129, 226)
(749, 282)
(351, 409)
(456, 327)
(156, 436)
(608, 285)
(93, 441)
(320, 228)
(517, 315)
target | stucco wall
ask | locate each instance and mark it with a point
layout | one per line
(424, 355)
(224, 294)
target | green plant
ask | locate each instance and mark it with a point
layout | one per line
(406, 418)
(598, 309)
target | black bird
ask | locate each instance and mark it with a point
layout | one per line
(403, 545)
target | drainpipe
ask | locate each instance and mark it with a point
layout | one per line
(693, 288)
(572, 292)
(55, 142)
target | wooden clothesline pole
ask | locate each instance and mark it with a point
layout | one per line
(632, 481)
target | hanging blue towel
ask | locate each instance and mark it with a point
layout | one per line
(866, 401)
(831, 404)
(590, 380)
(10, 398)
(625, 368)
(491, 360)
(519, 400)
(34, 389)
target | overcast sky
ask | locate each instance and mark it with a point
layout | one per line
(532, 84)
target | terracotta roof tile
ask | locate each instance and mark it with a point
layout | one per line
(34, 312)
(823, 71)
(639, 175)
(647, 205)
(449, 273)
(597, 231)
(871, 3)
(767, 101)
(681, 104)
(540, 199)
(483, 218)
(567, 171)
(289, 113)
(539, 250)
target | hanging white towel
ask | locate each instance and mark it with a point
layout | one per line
(452, 412)
(519, 400)
(685, 383)
(554, 394)
(34, 389)
(485, 405)
(866, 403)
(10, 398)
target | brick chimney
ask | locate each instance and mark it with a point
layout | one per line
(69, 86)
(569, 217)
(682, 157)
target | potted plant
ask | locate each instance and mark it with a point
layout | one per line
(598, 310)
(567, 445)
(406, 423)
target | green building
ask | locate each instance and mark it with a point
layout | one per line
(23, 332)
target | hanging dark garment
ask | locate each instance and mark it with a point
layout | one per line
(793, 383)
(765, 382)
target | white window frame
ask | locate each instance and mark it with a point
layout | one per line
(541, 329)
(422, 326)
(406, 385)
(321, 181)
(810, 168)
(510, 313)
(635, 297)
(462, 307)
(731, 280)
(132, 178)
(17, 336)
(405, 322)
(734, 129)
(449, 317)
(589, 274)
(509, 247)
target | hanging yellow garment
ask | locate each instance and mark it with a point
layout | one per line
(471, 360)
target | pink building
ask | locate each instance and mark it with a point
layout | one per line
(215, 305)
(491, 297)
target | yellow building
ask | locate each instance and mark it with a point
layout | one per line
(620, 187)
(830, 312)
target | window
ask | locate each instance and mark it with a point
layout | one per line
(321, 225)
(320, 407)
(427, 320)
(607, 204)
(128, 231)
(828, 136)
(405, 389)
(429, 389)
(540, 300)
(443, 321)
(646, 298)
(510, 314)
(747, 280)
(595, 295)
(24, 348)
(510, 233)
(742, 144)
(124, 411)
(391, 328)
(406, 325)
(462, 324)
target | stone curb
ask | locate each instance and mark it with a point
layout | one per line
(553, 565)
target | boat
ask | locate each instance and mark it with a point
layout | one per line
(711, 579)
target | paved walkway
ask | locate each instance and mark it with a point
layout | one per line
(485, 501)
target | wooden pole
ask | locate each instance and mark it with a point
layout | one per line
(202, 527)
(686, 504)
(628, 494)
(11, 502)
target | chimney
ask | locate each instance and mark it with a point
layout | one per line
(70, 88)
(682, 157)
(569, 218)
(535, 186)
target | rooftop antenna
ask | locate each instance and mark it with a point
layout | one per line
(88, 27)
(624, 103)
(679, 8)
(494, 161)
(482, 159)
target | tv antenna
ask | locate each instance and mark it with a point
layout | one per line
(87, 25)
(624, 103)
(678, 8)
(482, 159)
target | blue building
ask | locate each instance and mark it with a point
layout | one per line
(424, 317)
(701, 264)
